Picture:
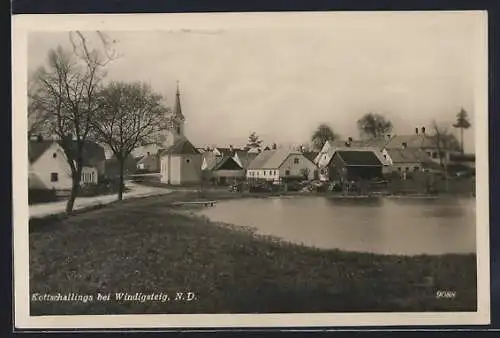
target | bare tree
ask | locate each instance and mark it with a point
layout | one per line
(68, 92)
(131, 115)
(37, 116)
(443, 143)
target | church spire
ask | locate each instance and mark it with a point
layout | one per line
(178, 109)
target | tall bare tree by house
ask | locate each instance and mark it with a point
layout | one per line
(131, 114)
(462, 123)
(322, 134)
(37, 116)
(67, 92)
(374, 126)
(444, 142)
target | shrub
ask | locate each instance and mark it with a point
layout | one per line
(41, 196)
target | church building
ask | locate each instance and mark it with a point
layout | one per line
(180, 161)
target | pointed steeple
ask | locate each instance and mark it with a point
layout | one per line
(178, 109)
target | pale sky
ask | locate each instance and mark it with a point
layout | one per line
(282, 82)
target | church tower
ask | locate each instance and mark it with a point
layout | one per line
(176, 125)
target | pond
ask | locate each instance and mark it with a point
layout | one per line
(405, 226)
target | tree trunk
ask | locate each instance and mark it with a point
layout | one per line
(74, 192)
(462, 140)
(121, 183)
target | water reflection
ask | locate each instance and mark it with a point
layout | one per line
(382, 225)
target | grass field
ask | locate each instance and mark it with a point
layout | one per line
(144, 245)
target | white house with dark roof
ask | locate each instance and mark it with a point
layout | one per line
(49, 168)
(407, 159)
(274, 165)
(420, 140)
(181, 164)
(325, 156)
(181, 161)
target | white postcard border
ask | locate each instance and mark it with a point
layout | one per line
(22, 24)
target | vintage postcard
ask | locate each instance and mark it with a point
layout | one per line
(218, 170)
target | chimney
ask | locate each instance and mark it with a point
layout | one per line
(416, 131)
(274, 146)
(423, 130)
(348, 142)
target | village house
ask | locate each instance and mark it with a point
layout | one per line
(355, 165)
(49, 169)
(275, 165)
(180, 161)
(149, 163)
(222, 165)
(324, 158)
(419, 140)
(404, 160)
(227, 171)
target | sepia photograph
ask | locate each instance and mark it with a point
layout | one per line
(251, 169)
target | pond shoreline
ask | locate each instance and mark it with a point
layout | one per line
(145, 246)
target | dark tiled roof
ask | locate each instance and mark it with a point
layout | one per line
(367, 158)
(311, 155)
(181, 147)
(92, 153)
(37, 148)
(227, 163)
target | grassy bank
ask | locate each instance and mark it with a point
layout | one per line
(144, 245)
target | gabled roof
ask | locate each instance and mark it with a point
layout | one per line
(227, 163)
(181, 147)
(261, 159)
(92, 152)
(209, 161)
(147, 159)
(273, 159)
(408, 155)
(310, 155)
(359, 158)
(412, 141)
(37, 148)
(245, 157)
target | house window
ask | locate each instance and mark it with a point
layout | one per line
(416, 168)
(287, 172)
(296, 161)
(399, 169)
(54, 155)
(54, 177)
(434, 155)
(187, 160)
(406, 169)
(178, 130)
(275, 173)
